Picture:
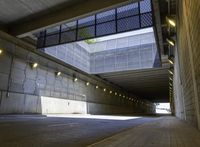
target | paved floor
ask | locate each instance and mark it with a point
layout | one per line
(165, 132)
(96, 131)
(63, 131)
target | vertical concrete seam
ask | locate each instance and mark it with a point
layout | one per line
(9, 76)
(24, 104)
(36, 91)
(26, 67)
(1, 96)
(45, 87)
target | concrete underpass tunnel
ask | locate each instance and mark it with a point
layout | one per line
(68, 66)
(101, 63)
(116, 57)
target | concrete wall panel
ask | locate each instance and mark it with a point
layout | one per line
(63, 106)
(12, 104)
(187, 91)
(32, 103)
(40, 91)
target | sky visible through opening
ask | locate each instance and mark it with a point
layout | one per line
(163, 108)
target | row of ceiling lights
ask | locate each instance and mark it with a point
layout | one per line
(172, 26)
(34, 65)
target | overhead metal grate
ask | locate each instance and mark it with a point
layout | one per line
(131, 17)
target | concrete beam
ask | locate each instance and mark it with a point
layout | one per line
(21, 29)
(159, 37)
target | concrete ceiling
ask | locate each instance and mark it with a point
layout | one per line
(14, 10)
(24, 17)
(151, 84)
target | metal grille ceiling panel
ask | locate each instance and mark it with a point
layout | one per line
(134, 16)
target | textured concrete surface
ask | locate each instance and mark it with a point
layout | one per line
(187, 63)
(76, 54)
(136, 51)
(164, 132)
(23, 91)
(63, 130)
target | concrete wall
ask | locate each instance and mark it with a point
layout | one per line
(121, 59)
(75, 54)
(27, 90)
(187, 71)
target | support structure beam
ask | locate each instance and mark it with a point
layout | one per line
(86, 7)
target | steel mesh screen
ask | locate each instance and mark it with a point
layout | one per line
(130, 17)
(88, 21)
(105, 16)
(130, 23)
(68, 36)
(86, 32)
(146, 20)
(52, 40)
(128, 10)
(106, 28)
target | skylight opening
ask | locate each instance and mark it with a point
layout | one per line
(120, 35)
(119, 52)
(118, 39)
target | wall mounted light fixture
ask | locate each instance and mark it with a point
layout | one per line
(75, 79)
(34, 65)
(171, 61)
(171, 72)
(171, 21)
(170, 42)
(1, 51)
(58, 73)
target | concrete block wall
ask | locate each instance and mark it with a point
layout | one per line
(187, 71)
(76, 54)
(129, 52)
(27, 90)
(178, 91)
(128, 58)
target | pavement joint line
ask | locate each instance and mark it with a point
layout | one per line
(58, 125)
(101, 141)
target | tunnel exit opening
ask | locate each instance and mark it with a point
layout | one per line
(163, 108)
